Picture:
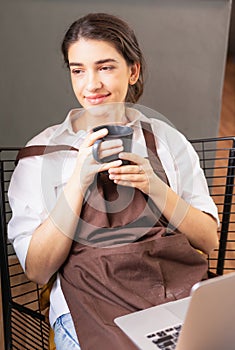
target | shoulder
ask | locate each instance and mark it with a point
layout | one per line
(165, 129)
(31, 164)
(162, 127)
(168, 137)
(179, 158)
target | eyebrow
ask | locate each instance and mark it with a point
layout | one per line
(106, 60)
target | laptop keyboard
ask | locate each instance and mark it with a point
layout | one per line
(165, 339)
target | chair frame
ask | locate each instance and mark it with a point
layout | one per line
(14, 312)
(229, 189)
(35, 318)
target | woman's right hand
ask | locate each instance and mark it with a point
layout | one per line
(51, 241)
(87, 167)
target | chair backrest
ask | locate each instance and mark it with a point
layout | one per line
(24, 324)
(217, 157)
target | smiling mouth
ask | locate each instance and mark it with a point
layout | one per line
(96, 99)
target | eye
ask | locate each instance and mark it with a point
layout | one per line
(77, 71)
(107, 68)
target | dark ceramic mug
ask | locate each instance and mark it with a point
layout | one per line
(121, 132)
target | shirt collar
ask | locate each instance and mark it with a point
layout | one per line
(65, 133)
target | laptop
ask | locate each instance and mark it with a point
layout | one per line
(203, 321)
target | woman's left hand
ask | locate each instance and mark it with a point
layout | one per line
(199, 227)
(139, 173)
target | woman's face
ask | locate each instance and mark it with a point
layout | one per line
(99, 74)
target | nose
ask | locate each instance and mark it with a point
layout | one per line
(93, 82)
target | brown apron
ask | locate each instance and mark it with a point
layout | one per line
(125, 258)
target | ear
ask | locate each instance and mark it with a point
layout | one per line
(134, 73)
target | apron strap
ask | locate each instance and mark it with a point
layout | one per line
(39, 150)
(149, 137)
(152, 152)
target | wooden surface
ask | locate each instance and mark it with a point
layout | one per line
(227, 120)
(227, 128)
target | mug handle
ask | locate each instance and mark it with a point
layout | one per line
(95, 150)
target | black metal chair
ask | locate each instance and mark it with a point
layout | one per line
(217, 157)
(24, 324)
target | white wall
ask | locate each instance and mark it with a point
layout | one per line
(184, 42)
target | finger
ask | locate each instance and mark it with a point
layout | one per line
(128, 169)
(110, 147)
(132, 157)
(107, 166)
(134, 184)
(93, 136)
(111, 144)
(110, 152)
(140, 169)
(106, 149)
(127, 177)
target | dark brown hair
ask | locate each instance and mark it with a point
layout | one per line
(106, 27)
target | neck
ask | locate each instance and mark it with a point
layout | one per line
(101, 115)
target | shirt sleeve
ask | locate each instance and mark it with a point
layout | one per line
(182, 166)
(26, 202)
(193, 184)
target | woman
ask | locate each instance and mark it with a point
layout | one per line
(53, 198)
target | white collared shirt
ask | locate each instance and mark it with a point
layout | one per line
(37, 181)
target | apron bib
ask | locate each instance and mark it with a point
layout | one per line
(124, 258)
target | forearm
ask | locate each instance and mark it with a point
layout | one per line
(199, 227)
(52, 240)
